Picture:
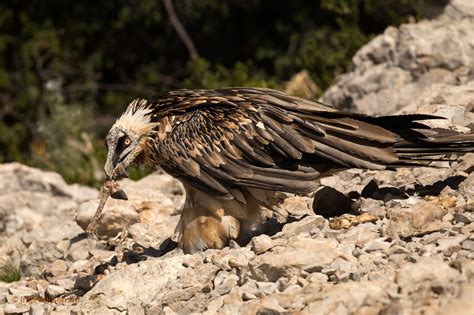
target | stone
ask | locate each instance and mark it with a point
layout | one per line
(422, 218)
(301, 254)
(427, 278)
(54, 291)
(317, 277)
(377, 245)
(248, 296)
(67, 283)
(56, 269)
(262, 243)
(468, 245)
(302, 85)
(16, 308)
(21, 291)
(451, 244)
(460, 217)
(36, 309)
(85, 283)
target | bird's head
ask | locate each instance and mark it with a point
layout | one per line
(127, 139)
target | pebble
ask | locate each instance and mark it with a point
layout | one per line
(36, 309)
(261, 244)
(468, 245)
(248, 296)
(317, 277)
(460, 217)
(54, 291)
(16, 308)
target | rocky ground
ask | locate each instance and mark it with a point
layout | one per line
(367, 243)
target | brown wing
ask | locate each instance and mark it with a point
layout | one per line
(215, 140)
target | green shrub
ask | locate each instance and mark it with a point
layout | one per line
(8, 272)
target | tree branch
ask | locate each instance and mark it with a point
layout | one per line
(180, 29)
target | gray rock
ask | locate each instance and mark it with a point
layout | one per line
(301, 254)
(16, 308)
(450, 245)
(54, 291)
(468, 245)
(36, 309)
(377, 245)
(85, 283)
(23, 292)
(57, 268)
(426, 278)
(459, 217)
(317, 277)
(395, 68)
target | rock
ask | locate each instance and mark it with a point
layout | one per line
(317, 277)
(248, 296)
(403, 64)
(67, 283)
(450, 245)
(468, 245)
(261, 244)
(428, 277)
(420, 219)
(376, 245)
(102, 255)
(85, 283)
(79, 248)
(459, 217)
(54, 291)
(306, 225)
(266, 287)
(360, 234)
(345, 298)
(302, 85)
(460, 303)
(16, 308)
(301, 254)
(24, 292)
(36, 309)
(57, 268)
(297, 206)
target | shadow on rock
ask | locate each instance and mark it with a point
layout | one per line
(330, 202)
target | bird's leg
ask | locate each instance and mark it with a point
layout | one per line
(200, 230)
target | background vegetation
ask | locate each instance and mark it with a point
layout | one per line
(69, 68)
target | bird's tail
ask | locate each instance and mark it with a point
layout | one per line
(435, 145)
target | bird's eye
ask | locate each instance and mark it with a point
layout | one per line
(123, 143)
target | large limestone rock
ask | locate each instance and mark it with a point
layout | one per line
(398, 66)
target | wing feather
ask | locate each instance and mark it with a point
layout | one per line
(224, 139)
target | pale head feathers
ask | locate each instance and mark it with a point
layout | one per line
(137, 118)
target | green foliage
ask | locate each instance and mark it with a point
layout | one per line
(8, 272)
(68, 69)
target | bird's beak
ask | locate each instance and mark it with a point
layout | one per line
(114, 169)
